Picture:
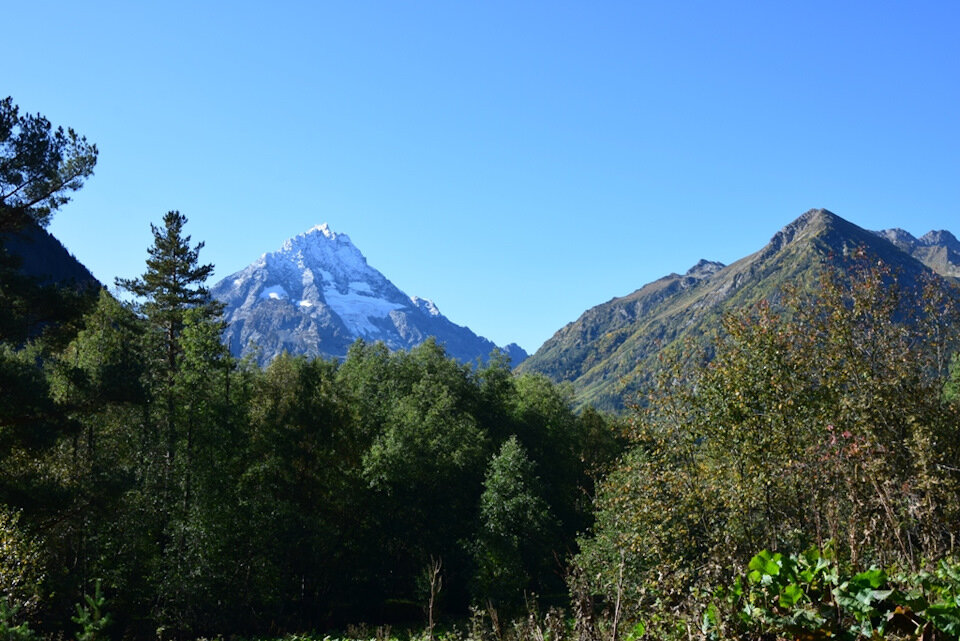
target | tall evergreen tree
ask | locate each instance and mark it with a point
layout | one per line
(173, 282)
(183, 354)
(172, 285)
(39, 166)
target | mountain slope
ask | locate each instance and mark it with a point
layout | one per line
(610, 350)
(43, 288)
(316, 295)
(43, 257)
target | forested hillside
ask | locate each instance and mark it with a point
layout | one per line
(823, 431)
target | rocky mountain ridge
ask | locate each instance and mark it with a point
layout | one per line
(939, 249)
(612, 348)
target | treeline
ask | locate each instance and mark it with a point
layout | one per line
(211, 497)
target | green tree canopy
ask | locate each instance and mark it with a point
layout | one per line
(39, 166)
(516, 528)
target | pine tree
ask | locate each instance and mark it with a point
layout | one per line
(39, 165)
(171, 287)
(173, 283)
(185, 323)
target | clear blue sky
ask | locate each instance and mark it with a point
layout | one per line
(516, 162)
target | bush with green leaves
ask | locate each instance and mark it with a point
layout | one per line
(805, 593)
(810, 596)
(934, 595)
(21, 569)
(11, 631)
(820, 418)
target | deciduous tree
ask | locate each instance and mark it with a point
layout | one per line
(517, 531)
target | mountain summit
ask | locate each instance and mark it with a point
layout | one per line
(939, 250)
(610, 351)
(316, 295)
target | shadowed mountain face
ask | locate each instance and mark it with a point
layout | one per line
(43, 257)
(42, 286)
(610, 351)
(316, 295)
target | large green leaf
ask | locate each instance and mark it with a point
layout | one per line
(791, 595)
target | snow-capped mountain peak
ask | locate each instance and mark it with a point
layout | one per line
(317, 294)
(322, 228)
(324, 250)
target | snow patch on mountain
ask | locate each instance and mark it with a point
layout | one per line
(274, 292)
(425, 305)
(358, 309)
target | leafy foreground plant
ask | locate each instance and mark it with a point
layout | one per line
(808, 596)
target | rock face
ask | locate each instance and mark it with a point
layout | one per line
(939, 250)
(611, 350)
(316, 295)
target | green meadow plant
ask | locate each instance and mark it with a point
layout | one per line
(811, 596)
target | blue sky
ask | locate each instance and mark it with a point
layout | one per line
(516, 162)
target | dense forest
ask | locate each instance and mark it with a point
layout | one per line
(797, 478)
